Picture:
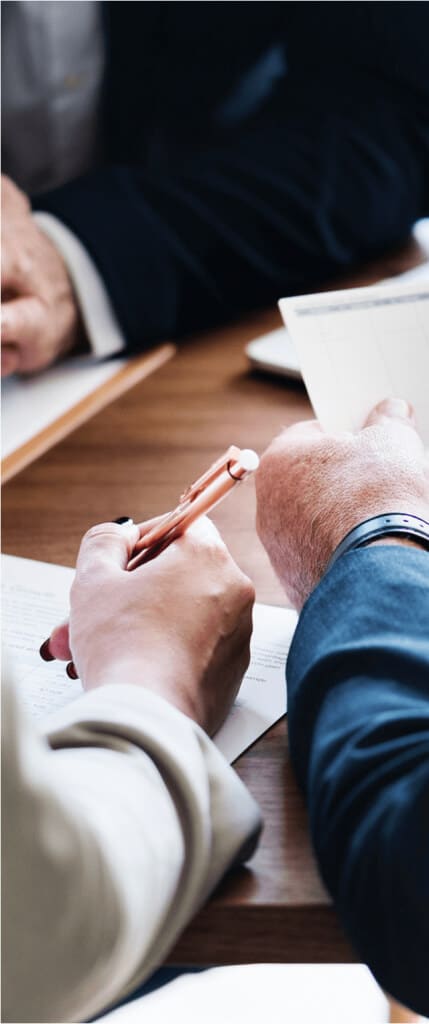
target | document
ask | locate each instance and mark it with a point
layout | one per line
(29, 404)
(275, 352)
(40, 410)
(358, 346)
(35, 597)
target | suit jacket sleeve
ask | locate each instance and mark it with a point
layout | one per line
(200, 214)
(358, 679)
(268, 208)
(118, 823)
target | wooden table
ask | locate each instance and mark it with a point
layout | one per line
(133, 459)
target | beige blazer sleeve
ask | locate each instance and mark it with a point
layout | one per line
(117, 823)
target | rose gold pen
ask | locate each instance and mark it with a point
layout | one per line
(198, 499)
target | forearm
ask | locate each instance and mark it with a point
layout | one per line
(358, 678)
(140, 812)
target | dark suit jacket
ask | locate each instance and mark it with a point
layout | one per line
(358, 680)
(250, 150)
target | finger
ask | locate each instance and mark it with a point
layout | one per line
(9, 360)
(181, 542)
(201, 535)
(13, 199)
(148, 524)
(21, 320)
(16, 270)
(106, 547)
(59, 644)
(392, 409)
(396, 417)
(201, 531)
(204, 529)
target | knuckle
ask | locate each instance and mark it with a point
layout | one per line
(208, 545)
(242, 589)
(247, 588)
(277, 458)
(270, 456)
(18, 263)
(97, 534)
(10, 263)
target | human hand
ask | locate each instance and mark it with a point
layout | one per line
(180, 625)
(39, 315)
(312, 488)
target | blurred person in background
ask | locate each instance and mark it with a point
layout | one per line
(172, 165)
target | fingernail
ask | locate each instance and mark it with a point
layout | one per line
(45, 652)
(397, 408)
(122, 520)
(71, 671)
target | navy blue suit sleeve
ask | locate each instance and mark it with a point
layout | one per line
(270, 207)
(358, 692)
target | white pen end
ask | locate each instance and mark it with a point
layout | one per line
(248, 459)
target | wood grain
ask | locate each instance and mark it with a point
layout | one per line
(134, 458)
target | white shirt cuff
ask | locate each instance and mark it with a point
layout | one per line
(102, 328)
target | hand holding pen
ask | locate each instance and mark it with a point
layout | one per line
(157, 534)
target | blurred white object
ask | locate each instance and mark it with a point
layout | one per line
(275, 352)
(278, 993)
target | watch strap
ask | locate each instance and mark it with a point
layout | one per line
(395, 524)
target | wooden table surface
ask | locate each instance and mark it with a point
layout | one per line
(133, 458)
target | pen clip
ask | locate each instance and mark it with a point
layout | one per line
(218, 467)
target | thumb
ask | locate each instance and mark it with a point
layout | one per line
(397, 418)
(107, 545)
(392, 409)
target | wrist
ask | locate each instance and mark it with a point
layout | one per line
(168, 678)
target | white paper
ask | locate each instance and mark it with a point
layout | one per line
(361, 345)
(35, 599)
(275, 352)
(29, 404)
(261, 700)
